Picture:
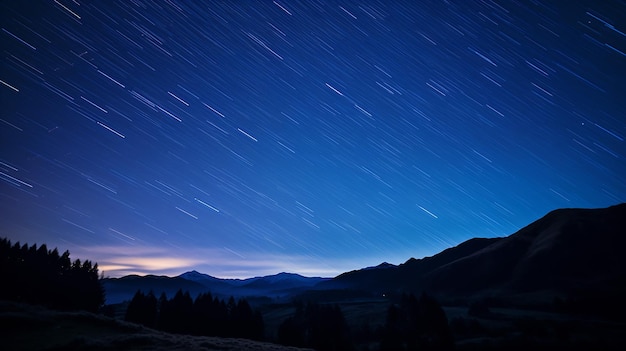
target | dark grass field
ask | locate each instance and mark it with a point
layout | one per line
(26, 327)
(498, 329)
(522, 329)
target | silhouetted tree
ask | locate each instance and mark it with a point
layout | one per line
(202, 313)
(247, 323)
(210, 316)
(41, 276)
(394, 330)
(329, 330)
(416, 325)
(322, 327)
(176, 314)
(291, 332)
(206, 316)
(220, 318)
(142, 309)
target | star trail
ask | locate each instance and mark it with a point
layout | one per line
(245, 138)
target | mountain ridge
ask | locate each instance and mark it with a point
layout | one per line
(275, 285)
(566, 253)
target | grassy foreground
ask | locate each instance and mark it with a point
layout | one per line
(27, 327)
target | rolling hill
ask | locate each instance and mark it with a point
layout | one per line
(28, 327)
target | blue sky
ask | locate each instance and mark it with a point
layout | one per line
(247, 138)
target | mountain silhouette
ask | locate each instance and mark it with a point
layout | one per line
(568, 253)
(277, 285)
(122, 289)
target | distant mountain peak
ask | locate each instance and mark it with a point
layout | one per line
(195, 276)
(279, 277)
(286, 274)
(383, 265)
(193, 273)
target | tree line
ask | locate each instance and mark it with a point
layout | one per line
(318, 326)
(206, 315)
(411, 324)
(416, 324)
(40, 276)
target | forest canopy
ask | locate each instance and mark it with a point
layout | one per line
(40, 276)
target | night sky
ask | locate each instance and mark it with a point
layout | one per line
(245, 138)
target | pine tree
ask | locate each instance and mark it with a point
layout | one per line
(416, 325)
(41, 276)
(142, 309)
(322, 327)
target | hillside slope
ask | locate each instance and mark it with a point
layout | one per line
(568, 253)
(27, 327)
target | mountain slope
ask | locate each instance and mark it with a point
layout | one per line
(406, 276)
(568, 251)
(572, 253)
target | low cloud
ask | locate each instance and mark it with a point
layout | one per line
(117, 261)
